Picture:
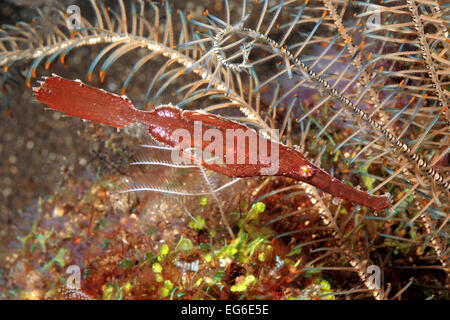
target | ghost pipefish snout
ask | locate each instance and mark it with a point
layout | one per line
(77, 99)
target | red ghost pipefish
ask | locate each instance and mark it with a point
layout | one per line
(77, 99)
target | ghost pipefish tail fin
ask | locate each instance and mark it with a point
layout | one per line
(77, 99)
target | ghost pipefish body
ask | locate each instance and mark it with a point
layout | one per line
(80, 100)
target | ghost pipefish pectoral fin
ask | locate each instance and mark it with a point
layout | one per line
(77, 99)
